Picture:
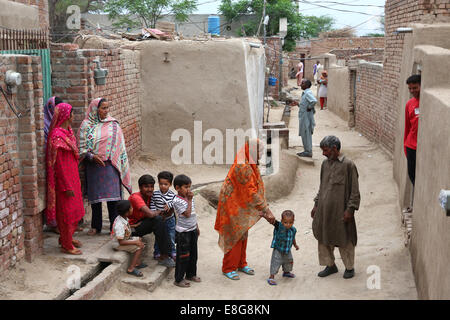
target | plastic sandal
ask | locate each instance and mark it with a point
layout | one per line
(194, 279)
(272, 282)
(247, 270)
(182, 284)
(135, 272)
(288, 275)
(232, 275)
(142, 266)
(77, 243)
(73, 251)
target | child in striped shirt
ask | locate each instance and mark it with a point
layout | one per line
(187, 232)
(162, 200)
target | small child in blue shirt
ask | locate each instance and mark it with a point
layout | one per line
(283, 239)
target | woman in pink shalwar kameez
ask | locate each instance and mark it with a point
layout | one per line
(64, 198)
(299, 74)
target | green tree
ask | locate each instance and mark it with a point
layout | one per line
(137, 13)
(377, 35)
(59, 16)
(299, 26)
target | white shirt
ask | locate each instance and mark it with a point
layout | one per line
(184, 224)
(122, 228)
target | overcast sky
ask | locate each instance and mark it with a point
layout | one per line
(366, 20)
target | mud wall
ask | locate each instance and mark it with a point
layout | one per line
(219, 83)
(338, 91)
(430, 238)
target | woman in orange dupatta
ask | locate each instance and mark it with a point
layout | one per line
(241, 204)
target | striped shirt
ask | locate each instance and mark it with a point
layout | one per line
(184, 224)
(159, 200)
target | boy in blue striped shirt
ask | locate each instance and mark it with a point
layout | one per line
(162, 200)
(283, 239)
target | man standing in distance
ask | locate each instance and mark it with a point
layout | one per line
(306, 118)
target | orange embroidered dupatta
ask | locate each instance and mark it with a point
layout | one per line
(240, 201)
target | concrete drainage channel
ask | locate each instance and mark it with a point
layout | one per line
(110, 268)
(94, 283)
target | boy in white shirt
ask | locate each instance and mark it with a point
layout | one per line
(187, 232)
(122, 231)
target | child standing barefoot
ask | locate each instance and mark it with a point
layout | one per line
(283, 239)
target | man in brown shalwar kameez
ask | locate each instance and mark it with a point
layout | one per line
(333, 213)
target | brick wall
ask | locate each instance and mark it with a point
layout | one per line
(372, 117)
(273, 56)
(20, 221)
(401, 13)
(73, 81)
(371, 54)
(325, 45)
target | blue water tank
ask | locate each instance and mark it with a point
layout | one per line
(214, 25)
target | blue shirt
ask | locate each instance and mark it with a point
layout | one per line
(308, 101)
(283, 238)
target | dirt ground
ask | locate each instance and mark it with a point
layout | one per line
(380, 234)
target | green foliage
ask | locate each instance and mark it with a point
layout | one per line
(377, 35)
(60, 6)
(299, 26)
(124, 12)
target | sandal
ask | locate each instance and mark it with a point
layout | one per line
(142, 266)
(288, 275)
(93, 232)
(77, 243)
(73, 251)
(247, 270)
(135, 272)
(272, 282)
(182, 284)
(232, 275)
(194, 279)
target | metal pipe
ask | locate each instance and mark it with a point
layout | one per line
(403, 30)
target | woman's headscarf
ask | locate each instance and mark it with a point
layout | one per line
(58, 138)
(105, 139)
(49, 109)
(241, 198)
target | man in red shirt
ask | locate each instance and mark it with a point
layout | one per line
(411, 124)
(145, 221)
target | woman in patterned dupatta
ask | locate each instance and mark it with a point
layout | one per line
(49, 110)
(64, 197)
(103, 152)
(241, 204)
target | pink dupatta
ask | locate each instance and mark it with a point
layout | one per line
(58, 138)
